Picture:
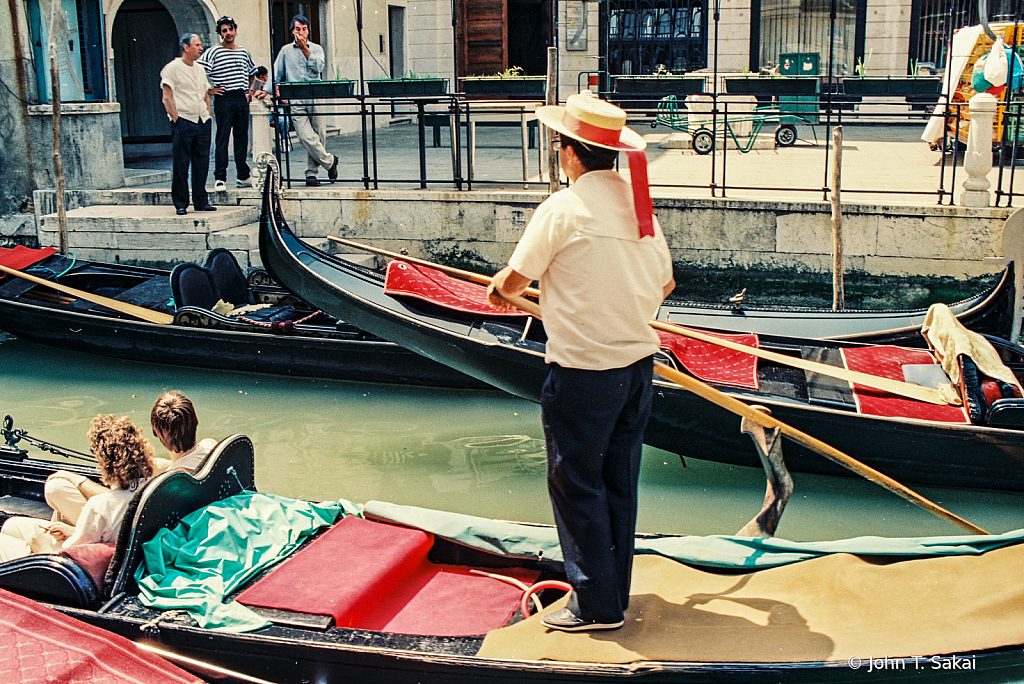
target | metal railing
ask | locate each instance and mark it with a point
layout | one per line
(383, 164)
(379, 158)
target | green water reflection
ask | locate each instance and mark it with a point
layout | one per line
(468, 451)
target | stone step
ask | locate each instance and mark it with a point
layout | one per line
(155, 235)
(136, 177)
(140, 220)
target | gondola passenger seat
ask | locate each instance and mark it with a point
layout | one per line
(193, 285)
(163, 502)
(228, 277)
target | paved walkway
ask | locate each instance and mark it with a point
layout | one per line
(875, 159)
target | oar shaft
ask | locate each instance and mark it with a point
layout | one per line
(124, 307)
(738, 407)
(905, 389)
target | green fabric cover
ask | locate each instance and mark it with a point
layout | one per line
(519, 540)
(216, 549)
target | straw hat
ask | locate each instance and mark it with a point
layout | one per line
(593, 121)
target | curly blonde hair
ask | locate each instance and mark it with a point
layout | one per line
(124, 455)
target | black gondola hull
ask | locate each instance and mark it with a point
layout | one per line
(908, 450)
(257, 351)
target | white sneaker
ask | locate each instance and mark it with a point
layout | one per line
(247, 183)
(220, 185)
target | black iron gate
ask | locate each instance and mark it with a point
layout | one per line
(643, 36)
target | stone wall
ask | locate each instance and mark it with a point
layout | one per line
(482, 228)
(887, 37)
(91, 153)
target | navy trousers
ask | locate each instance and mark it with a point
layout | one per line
(232, 113)
(190, 147)
(594, 425)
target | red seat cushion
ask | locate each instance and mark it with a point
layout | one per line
(712, 363)
(436, 287)
(372, 575)
(887, 361)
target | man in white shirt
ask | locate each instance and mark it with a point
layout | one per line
(174, 423)
(604, 268)
(186, 97)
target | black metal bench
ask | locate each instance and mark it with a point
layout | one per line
(439, 120)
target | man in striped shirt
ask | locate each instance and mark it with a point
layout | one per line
(231, 72)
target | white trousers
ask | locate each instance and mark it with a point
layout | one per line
(312, 132)
(65, 500)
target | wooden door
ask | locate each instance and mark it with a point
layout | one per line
(144, 40)
(483, 37)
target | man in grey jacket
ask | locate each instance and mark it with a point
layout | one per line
(302, 60)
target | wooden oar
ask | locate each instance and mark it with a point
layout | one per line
(904, 389)
(123, 307)
(736, 406)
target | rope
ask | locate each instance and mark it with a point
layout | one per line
(509, 580)
(279, 327)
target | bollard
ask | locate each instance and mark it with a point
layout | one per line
(978, 157)
(262, 136)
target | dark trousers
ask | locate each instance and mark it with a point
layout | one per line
(232, 113)
(594, 425)
(191, 146)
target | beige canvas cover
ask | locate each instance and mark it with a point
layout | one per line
(828, 609)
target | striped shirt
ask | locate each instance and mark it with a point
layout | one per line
(230, 69)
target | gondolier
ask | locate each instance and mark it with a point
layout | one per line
(604, 268)
(231, 72)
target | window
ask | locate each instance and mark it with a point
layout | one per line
(802, 26)
(642, 35)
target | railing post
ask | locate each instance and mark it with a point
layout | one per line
(261, 136)
(978, 158)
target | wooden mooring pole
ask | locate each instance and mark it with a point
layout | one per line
(838, 294)
(58, 164)
(551, 98)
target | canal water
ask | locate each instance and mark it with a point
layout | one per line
(474, 452)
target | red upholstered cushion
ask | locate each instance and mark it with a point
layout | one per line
(431, 285)
(94, 559)
(887, 361)
(41, 645)
(356, 564)
(21, 257)
(712, 363)
(372, 575)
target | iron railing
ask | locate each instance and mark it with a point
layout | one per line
(379, 158)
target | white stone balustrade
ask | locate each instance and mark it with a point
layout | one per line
(978, 157)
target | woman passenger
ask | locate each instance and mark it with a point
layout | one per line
(125, 461)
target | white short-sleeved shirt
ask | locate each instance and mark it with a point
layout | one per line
(600, 282)
(101, 517)
(195, 458)
(189, 85)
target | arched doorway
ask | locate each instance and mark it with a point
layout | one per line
(144, 40)
(144, 37)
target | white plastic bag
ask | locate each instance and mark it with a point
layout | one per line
(997, 66)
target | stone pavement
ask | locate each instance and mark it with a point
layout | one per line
(875, 159)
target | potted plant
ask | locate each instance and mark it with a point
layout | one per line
(410, 85)
(305, 90)
(513, 81)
